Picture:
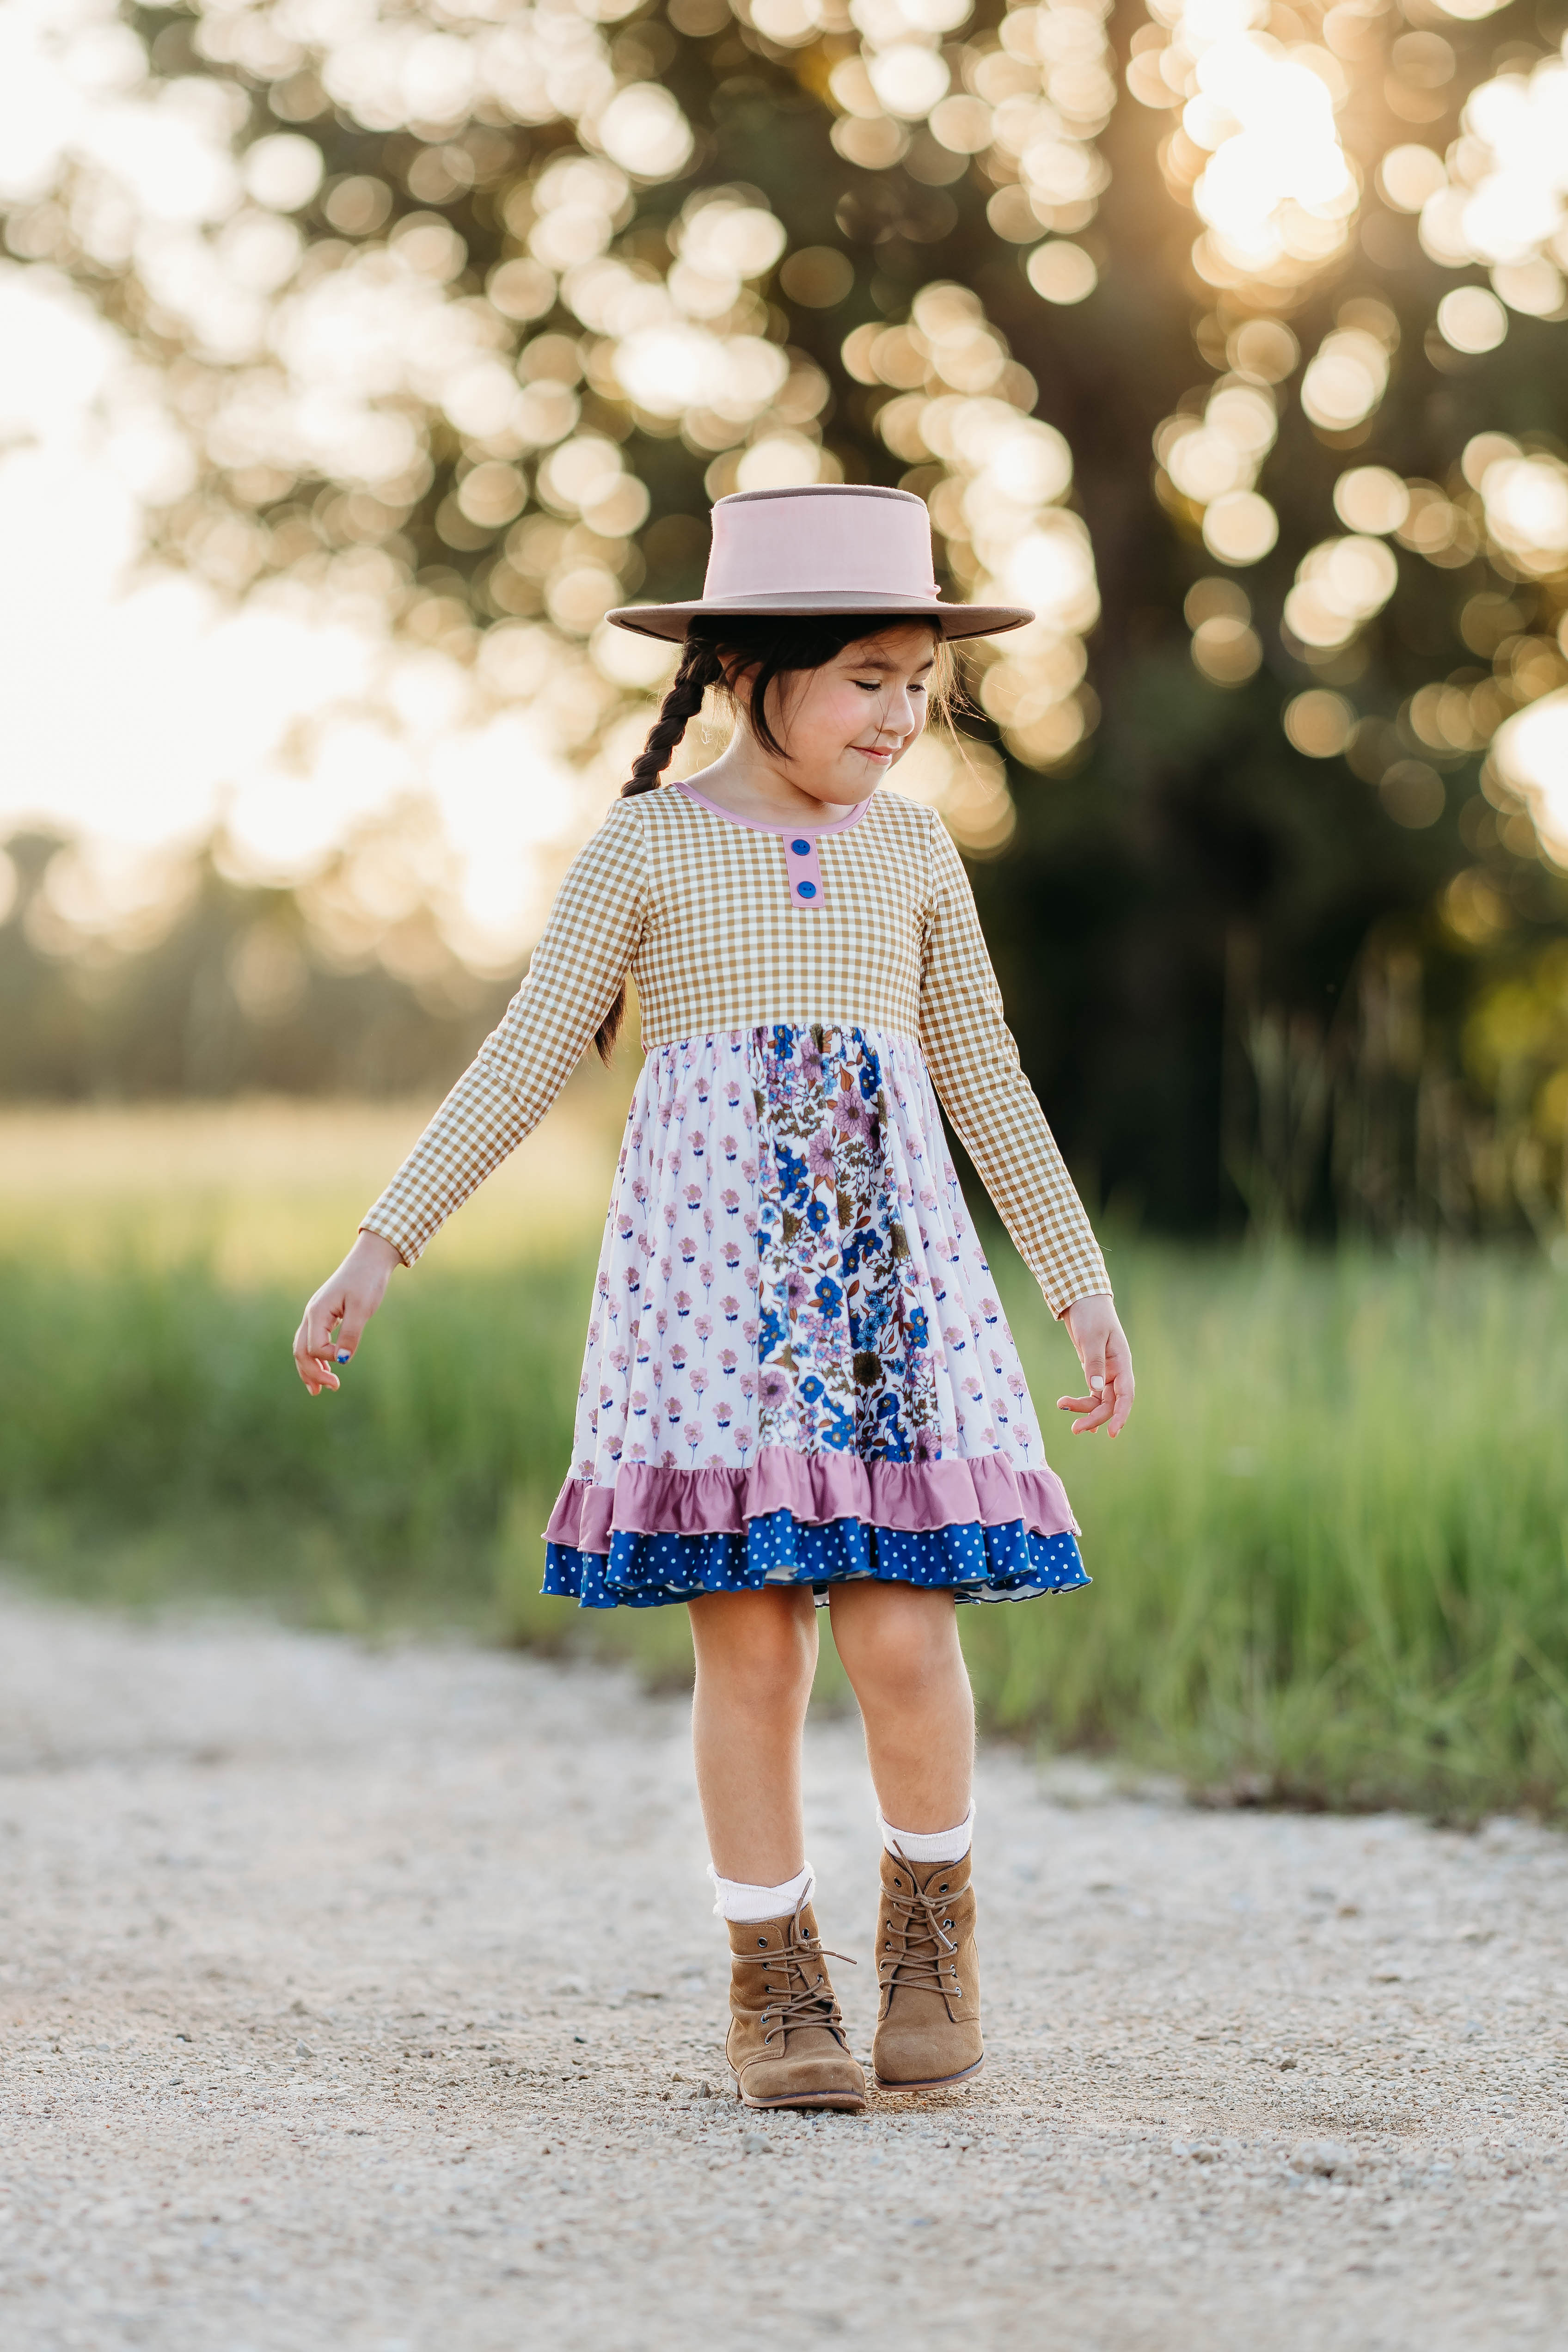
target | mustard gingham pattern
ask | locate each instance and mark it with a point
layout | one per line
(696, 909)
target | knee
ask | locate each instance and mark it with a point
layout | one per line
(900, 1653)
(765, 1657)
(771, 1676)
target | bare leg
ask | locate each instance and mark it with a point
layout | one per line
(756, 1655)
(901, 1651)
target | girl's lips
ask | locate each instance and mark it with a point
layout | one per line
(873, 751)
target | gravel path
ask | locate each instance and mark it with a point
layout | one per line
(369, 1999)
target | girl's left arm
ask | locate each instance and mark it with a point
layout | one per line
(974, 1061)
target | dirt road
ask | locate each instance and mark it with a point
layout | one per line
(370, 2001)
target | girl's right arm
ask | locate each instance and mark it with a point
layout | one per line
(573, 976)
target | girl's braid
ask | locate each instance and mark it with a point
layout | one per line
(699, 670)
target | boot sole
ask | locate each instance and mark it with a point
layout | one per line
(936, 2082)
(845, 2103)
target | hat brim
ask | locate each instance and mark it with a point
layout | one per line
(672, 621)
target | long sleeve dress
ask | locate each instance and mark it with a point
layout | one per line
(797, 1368)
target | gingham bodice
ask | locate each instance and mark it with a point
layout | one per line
(723, 926)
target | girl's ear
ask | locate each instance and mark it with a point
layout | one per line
(765, 694)
(742, 676)
(739, 676)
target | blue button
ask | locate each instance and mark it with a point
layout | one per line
(806, 889)
(801, 848)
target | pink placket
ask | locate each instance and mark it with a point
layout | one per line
(805, 870)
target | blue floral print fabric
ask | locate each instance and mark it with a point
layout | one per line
(844, 1347)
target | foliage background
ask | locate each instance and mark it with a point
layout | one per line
(460, 314)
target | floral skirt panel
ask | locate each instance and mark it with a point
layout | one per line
(797, 1368)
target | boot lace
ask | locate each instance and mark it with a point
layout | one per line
(799, 2001)
(933, 1965)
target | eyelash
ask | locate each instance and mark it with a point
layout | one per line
(874, 686)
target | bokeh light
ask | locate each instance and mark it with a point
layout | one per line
(1227, 650)
(1207, 464)
(1240, 528)
(1340, 584)
(1029, 99)
(1345, 382)
(1263, 350)
(968, 783)
(644, 131)
(1526, 504)
(1258, 153)
(1062, 272)
(1531, 754)
(819, 276)
(1320, 722)
(1411, 794)
(1410, 174)
(1258, 94)
(1471, 319)
(1370, 498)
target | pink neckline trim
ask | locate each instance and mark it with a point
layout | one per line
(751, 825)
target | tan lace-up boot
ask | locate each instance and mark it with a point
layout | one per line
(786, 2043)
(928, 2025)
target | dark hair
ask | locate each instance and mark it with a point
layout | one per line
(759, 649)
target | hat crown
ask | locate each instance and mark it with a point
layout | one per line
(828, 540)
(827, 548)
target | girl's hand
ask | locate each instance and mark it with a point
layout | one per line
(1106, 1360)
(347, 1302)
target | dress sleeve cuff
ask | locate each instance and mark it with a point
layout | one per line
(408, 1248)
(1101, 1289)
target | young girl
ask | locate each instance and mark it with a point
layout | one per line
(799, 1383)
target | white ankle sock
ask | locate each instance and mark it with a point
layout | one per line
(938, 1845)
(734, 1899)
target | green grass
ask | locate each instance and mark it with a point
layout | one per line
(1329, 1554)
(1331, 1560)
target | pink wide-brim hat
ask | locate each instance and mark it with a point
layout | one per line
(834, 548)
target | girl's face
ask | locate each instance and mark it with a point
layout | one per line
(844, 726)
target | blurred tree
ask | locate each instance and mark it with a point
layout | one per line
(1184, 321)
(226, 987)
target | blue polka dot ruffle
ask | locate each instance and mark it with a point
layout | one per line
(973, 1563)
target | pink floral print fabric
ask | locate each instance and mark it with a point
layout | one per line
(793, 1309)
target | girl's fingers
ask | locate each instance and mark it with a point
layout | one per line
(1109, 1373)
(1108, 1409)
(1123, 1383)
(320, 1316)
(312, 1347)
(356, 1314)
(1093, 1359)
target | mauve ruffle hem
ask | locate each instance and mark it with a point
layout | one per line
(981, 1530)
